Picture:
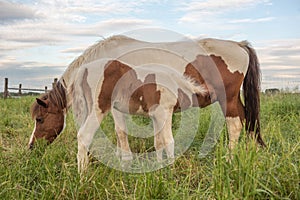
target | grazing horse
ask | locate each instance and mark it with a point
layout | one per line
(210, 71)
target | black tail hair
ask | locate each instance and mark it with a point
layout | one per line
(251, 87)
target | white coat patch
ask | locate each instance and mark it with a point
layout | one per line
(235, 57)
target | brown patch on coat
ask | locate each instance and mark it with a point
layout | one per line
(121, 79)
(113, 72)
(222, 85)
(151, 95)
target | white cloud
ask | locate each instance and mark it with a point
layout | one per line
(38, 33)
(31, 33)
(60, 20)
(74, 50)
(287, 76)
(13, 11)
(249, 20)
(220, 5)
(209, 10)
(7, 61)
(77, 11)
(280, 62)
(279, 52)
(120, 25)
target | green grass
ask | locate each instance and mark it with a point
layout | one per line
(50, 172)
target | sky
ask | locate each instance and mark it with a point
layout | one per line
(40, 38)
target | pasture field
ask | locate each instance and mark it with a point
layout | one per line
(50, 172)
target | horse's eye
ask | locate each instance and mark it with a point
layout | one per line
(39, 120)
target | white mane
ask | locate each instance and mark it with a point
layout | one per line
(98, 50)
(94, 51)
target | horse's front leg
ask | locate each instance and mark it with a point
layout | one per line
(82, 156)
(84, 137)
(163, 138)
(123, 148)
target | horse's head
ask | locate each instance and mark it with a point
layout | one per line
(49, 116)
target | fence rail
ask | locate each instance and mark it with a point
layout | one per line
(20, 89)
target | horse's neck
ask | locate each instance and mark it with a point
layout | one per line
(103, 49)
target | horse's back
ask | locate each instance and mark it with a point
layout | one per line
(231, 52)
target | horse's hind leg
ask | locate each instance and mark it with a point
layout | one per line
(235, 116)
(84, 137)
(123, 148)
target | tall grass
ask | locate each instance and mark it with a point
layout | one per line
(50, 172)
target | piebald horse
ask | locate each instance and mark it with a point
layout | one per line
(124, 75)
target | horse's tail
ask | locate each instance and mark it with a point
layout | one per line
(251, 87)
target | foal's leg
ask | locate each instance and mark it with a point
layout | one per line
(123, 148)
(84, 137)
(163, 138)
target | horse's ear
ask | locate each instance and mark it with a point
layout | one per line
(41, 102)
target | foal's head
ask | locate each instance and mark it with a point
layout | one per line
(48, 111)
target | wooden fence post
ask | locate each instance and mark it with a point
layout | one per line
(54, 83)
(20, 89)
(5, 94)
